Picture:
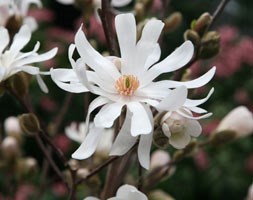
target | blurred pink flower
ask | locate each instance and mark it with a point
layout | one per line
(61, 34)
(62, 142)
(48, 104)
(42, 14)
(24, 192)
(228, 34)
(59, 189)
(241, 96)
(201, 160)
(249, 163)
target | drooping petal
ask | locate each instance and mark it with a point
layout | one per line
(140, 120)
(193, 102)
(91, 198)
(145, 144)
(174, 100)
(107, 115)
(103, 67)
(197, 110)
(124, 141)
(193, 128)
(66, 2)
(30, 53)
(179, 140)
(42, 84)
(181, 56)
(191, 117)
(126, 33)
(4, 38)
(89, 145)
(129, 192)
(120, 3)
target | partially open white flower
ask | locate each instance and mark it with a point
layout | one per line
(77, 133)
(126, 81)
(11, 125)
(19, 9)
(240, 120)
(125, 192)
(178, 124)
(12, 60)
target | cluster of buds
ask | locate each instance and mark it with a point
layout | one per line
(207, 43)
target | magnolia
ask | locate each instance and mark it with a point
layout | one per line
(159, 158)
(239, 119)
(12, 60)
(250, 193)
(125, 192)
(11, 125)
(179, 124)
(18, 9)
(77, 133)
(126, 81)
(97, 3)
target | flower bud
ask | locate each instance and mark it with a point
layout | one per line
(82, 172)
(172, 22)
(28, 166)
(159, 195)
(159, 158)
(12, 127)
(73, 164)
(13, 24)
(10, 147)
(239, 120)
(222, 137)
(210, 45)
(139, 9)
(202, 23)
(159, 139)
(29, 123)
(193, 36)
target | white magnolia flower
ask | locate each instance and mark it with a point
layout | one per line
(77, 133)
(179, 124)
(126, 81)
(19, 9)
(125, 192)
(97, 3)
(240, 120)
(12, 60)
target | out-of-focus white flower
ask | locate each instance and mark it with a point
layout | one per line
(127, 81)
(19, 9)
(77, 133)
(12, 60)
(11, 125)
(240, 120)
(178, 124)
(97, 3)
(125, 192)
(159, 158)
(10, 147)
(66, 2)
(250, 193)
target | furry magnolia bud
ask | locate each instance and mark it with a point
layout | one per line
(210, 45)
(222, 137)
(202, 23)
(193, 36)
(159, 139)
(29, 123)
(172, 22)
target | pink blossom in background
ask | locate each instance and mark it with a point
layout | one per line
(201, 160)
(246, 47)
(48, 104)
(249, 164)
(59, 189)
(62, 142)
(61, 34)
(241, 96)
(24, 192)
(96, 29)
(210, 126)
(157, 6)
(228, 34)
(42, 14)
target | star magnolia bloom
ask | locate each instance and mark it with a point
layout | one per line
(19, 9)
(178, 124)
(239, 119)
(12, 60)
(126, 81)
(77, 133)
(125, 192)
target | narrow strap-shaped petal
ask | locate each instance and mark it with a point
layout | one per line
(25, 5)
(95, 60)
(41, 83)
(180, 57)
(107, 115)
(20, 40)
(174, 100)
(153, 57)
(129, 192)
(197, 102)
(126, 32)
(197, 110)
(89, 145)
(33, 52)
(4, 38)
(64, 75)
(140, 120)
(91, 198)
(191, 117)
(124, 140)
(145, 143)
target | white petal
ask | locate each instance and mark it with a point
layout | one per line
(30, 53)
(124, 140)
(41, 83)
(4, 38)
(29, 69)
(2, 74)
(191, 117)
(103, 67)
(199, 82)
(145, 144)
(193, 128)
(180, 57)
(120, 3)
(140, 120)
(31, 23)
(179, 140)
(89, 145)
(126, 33)
(193, 102)
(153, 57)
(197, 110)
(107, 115)
(129, 192)
(20, 40)
(174, 100)
(64, 75)
(66, 2)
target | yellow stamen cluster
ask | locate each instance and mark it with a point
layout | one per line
(127, 84)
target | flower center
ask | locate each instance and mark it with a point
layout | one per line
(127, 84)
